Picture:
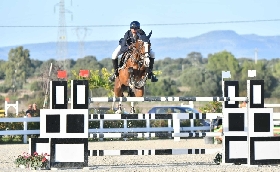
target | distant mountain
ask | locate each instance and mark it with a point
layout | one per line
(211, 42)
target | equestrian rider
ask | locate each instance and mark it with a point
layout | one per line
(124, 44)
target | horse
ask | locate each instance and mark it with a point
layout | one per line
(133, 72)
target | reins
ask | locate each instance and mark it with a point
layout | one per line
(136, 51)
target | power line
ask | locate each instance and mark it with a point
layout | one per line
(159, 24)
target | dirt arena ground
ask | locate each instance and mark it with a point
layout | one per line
(142, 163)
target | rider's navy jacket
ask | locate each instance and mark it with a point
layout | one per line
(128, 39)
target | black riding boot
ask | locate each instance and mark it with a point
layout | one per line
(151, 74)
(115, 66)
(121, 63)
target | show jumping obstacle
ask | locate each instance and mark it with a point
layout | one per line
(64, 132)
(247, 132)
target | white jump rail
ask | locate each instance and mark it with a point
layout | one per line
(272, 105)
(163, 99)
(152, 152)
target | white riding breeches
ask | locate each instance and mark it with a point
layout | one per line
(117, 52)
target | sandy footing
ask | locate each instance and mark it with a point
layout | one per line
(141, 163)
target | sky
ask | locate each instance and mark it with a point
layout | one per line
(105, 20)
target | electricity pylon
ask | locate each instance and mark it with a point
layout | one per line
(81, 34)
(62, 47)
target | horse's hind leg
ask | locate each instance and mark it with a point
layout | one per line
(118, 92)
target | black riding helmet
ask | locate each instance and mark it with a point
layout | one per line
(135, 25)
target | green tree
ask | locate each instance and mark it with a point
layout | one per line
(88, 62)
(98, 80)
(17, 67)
(54, 66)
(164, 87)
(35, 68)
(200, 82)
(36, 86)
(195, 58)
(46, 64)
(223, 61)
(106, 63)
(2, 69)
(262, 72)
(275, 68)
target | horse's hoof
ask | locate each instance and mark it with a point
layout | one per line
(118, 112)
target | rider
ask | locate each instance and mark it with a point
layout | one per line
(124, 44)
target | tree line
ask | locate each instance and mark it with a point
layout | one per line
(193, 75)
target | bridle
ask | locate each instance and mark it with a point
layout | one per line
(136, 56)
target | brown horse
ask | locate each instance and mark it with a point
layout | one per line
(133, 73)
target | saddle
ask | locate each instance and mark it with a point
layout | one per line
(123, 58)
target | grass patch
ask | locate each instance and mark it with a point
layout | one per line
(26, 86)
(11, 140)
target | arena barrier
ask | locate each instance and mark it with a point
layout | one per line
(127, 132)
(159, 130)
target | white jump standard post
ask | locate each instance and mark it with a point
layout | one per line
(263, 147)
(234, 127)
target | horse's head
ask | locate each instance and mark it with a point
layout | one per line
(138, 53)
(139, 47)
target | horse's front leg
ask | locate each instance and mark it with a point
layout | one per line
(131, 81)
(139, 92)
(118, 88)
(119, 111)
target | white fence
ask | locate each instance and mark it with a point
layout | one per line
(101, 129)
(125, 129)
